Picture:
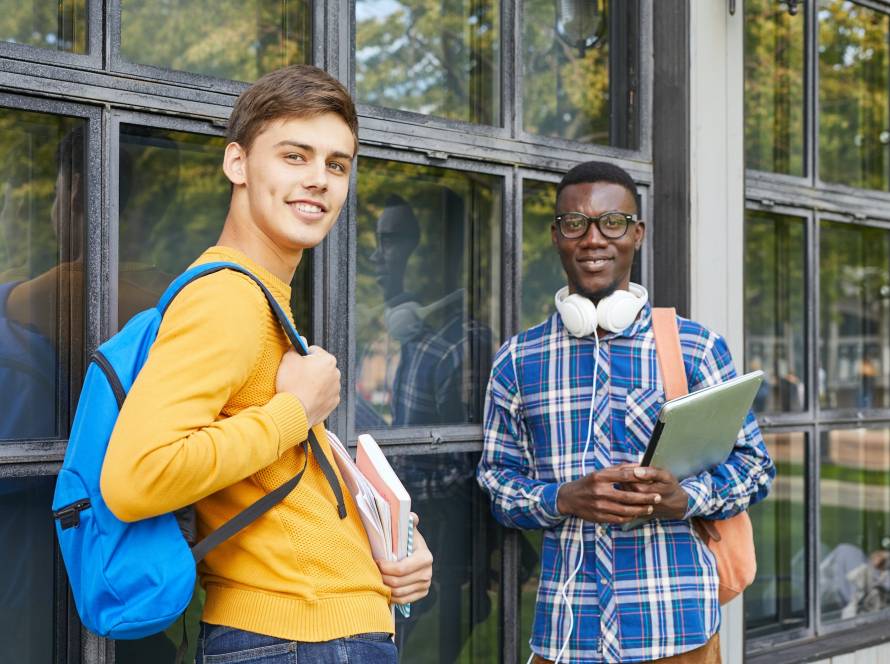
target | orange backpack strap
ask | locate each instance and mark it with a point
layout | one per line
(730, 540)
(670, 355)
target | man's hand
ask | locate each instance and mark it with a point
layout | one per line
(598, 497)
(313, 379)
(673, 501)
(410, 578)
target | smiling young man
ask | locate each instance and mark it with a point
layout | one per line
(562, 456)
(218, 414)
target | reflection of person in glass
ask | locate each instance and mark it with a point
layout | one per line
(571, 406)
(442, 350)
(220, 414)
(436, 379)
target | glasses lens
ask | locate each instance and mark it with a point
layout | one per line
(573, 225)
(613, 225)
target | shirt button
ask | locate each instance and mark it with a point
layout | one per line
(603, 580)
(600, 531)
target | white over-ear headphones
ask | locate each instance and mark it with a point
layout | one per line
(613, 313)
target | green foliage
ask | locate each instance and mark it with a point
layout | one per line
(235, 39)
(854, 73)
(29, 240)
(542, 273)
(563, 93)
(774, 88)
(60, 26)
(438, 57)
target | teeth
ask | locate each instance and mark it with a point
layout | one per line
(308, 207)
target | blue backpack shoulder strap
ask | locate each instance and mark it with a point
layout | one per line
(199, 271)
(267, 502)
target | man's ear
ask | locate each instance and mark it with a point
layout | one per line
(554, 234)
(639, 234)
(234, 163)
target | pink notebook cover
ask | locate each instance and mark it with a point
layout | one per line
(369, 470)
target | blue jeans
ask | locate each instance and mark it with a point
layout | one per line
(226, 645)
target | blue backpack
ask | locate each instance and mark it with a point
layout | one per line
(131, 580)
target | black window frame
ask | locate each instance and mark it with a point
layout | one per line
(814, 200)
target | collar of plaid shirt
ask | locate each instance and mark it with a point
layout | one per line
(640, 595)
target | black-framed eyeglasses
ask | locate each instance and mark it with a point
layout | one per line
(612, 225)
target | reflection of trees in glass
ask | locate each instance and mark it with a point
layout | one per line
(42, 194)
(774, 87)
(775, 315)
(854, 74)
(542, 273)
(438, 57)
(854, 560)
(60, 26)
(574, 96)
(29, 241)
(174, 199)
(854, 314)
(776, 601)
(234, 39)
(451, 254)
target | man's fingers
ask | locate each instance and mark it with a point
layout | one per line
(615, 474)
(652, 474)
(632, 497)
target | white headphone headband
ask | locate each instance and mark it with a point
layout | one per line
(614, 313)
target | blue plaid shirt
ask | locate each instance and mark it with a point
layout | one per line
(640, 595)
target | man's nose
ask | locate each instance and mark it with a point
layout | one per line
(316, 176)
(593, 236)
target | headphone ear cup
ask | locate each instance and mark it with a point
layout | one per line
(616, 312)
(578, 315)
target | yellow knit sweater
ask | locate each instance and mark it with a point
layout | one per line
(202, 424)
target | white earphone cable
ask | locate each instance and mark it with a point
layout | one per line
(564, 588)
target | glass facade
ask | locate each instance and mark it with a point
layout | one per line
(426, 294)
(775, 309)
(222, 38)
(580, 70)
(854, 513)
(41, 270)
(774, 88)
(776, 600)
(434, 58)
(854, 116)
(58, 26)
(817, 315)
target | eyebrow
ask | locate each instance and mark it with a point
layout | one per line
(308, 148)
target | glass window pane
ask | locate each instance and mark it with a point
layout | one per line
(775, 309)
(438, 58)
(459, 621)
(26, 558)
(59, 25)
(236, 39)
(776, 601)
(854, 311)
(774, 82)
(43, 179)
(854, 561)
(173, 201)
(854, 74)
(542, 273)
(530, 543)
(427, 293)
(579, 61)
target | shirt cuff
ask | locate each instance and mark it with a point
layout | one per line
(698, 494)
(548, 501)
(289, 417)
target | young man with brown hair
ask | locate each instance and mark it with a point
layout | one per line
(219, 411)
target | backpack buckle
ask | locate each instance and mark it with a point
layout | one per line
(69, 516)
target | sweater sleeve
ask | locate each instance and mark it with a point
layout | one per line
(170, 447)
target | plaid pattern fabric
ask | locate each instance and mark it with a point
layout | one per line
(640, 595)
(440, 374)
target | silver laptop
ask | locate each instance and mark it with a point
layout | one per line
(698, 430)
